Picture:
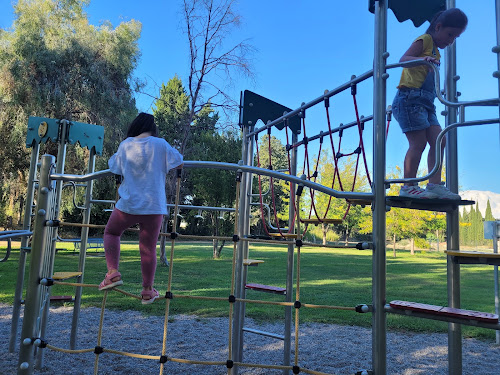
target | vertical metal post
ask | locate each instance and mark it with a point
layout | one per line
(452, 218)
(496, 232)
(291, 250)
(60, 162)
(242, 247)
(32, 305)
(30, 192)
(83, 252)
(379, 334)
(497, 49)
(496, 225)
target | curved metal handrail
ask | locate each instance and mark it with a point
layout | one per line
(437, 86)
(235, 167)
(72, 183)
(8, 235)
(268, 209)
(439, 158)
(14, 234)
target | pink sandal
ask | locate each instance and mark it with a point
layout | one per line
(149, 296)
(108, 282)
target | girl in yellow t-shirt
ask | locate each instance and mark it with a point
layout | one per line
(413, 107)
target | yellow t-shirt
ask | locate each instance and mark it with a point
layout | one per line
(414, 77)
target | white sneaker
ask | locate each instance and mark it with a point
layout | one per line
(442, 191)
(416, 191)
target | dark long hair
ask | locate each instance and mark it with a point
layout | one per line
(452, 17)
(144, 122)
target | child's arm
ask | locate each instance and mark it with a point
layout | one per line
(415, 52)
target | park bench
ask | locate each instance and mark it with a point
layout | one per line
(92, 243)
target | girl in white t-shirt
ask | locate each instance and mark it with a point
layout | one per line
(143, 161)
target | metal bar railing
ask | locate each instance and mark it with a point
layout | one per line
(354, 80)
(235, 167)
(413, 63)
(365, 76)
(439, 156)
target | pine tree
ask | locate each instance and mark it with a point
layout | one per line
(466, 226)
(477, 227)
(488, 215)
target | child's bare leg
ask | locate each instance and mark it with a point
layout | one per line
(432, 133)
(417, 140)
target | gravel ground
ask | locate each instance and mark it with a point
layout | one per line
(332, 349)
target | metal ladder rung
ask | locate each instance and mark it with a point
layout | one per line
(263, 333)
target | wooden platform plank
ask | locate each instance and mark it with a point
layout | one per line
(422, 307)
(285, 235)
(359, 202)
(319, 221)
(266, 288)
(61, 299)
(445, 311)
(474, 257)
(472, 254)
(252, 262)
(470, 314)
(439, 205)
(65, 275)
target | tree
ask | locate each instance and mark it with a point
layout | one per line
(171, 111)
(271, 154)
(465, 227)
(53, 63)
(336, 208)
(208, 25)
(435, 223)
(199, 187)
(215, 189)
(488, 214)
(401, 223)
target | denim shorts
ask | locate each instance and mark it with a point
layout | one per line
(414, 109)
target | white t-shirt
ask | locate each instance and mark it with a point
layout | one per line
(143, 163)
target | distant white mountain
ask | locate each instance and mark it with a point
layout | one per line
(481, 197)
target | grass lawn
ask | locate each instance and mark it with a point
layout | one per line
(340, 277)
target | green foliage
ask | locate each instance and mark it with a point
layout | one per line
(53, 63)
(325, 206)
(172, 112)
(472, 226)
(279, 192)
(199, 140)
(488, 214)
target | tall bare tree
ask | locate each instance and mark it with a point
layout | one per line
(213, 61)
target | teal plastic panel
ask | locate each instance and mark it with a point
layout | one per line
(256, 107)
(87, 135)
(32, 134)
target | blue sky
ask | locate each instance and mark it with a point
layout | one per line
(305, 47)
